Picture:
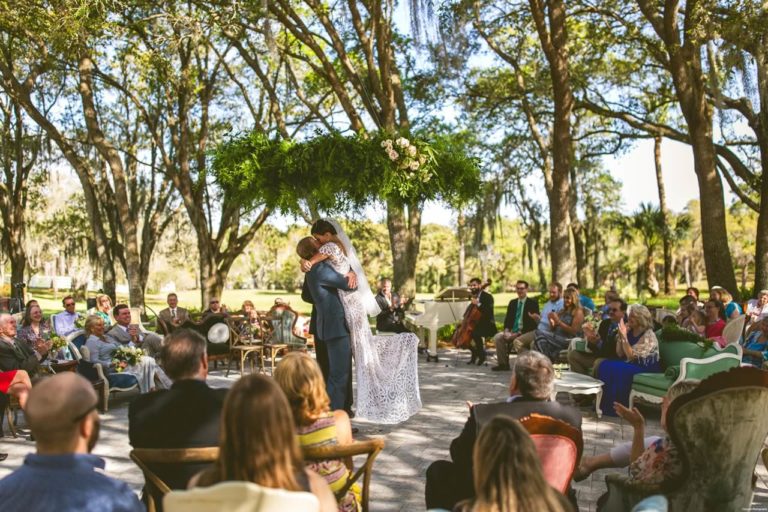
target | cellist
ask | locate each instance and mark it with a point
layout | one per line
(486, 326)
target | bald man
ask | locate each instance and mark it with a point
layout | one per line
(63, 475)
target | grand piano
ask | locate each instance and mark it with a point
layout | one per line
(447, 307)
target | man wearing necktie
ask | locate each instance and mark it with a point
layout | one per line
(519, 320)
(173, 315)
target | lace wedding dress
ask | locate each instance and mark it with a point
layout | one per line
(386, 366)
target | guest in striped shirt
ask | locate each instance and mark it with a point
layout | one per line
(300, 378)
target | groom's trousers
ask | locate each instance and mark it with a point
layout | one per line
(338, 381)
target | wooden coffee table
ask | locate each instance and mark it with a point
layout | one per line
(577, 384)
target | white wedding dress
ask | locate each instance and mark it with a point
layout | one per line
(386, 366)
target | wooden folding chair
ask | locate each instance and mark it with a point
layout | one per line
(370, 448)
(153, 484)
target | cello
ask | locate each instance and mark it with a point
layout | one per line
(462, 337)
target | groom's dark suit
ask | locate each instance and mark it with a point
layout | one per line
(321, 285)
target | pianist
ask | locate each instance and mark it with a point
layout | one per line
(392, 313)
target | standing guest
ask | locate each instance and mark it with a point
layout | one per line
(610, 296)
(601, 343)
(17, 355)
(63, 475)
(508, 474)
(756, 345)
(692, 291)
(64, 323)
(566, 325)
(255, 445)
(123, 332)
(102, 349)
(530, 389)
(585, 301)
(215, 307)
(732, 308)
(104, 308)
(300, 378)
(184, 416)
(34, 327)
(173, 315)
(519, 320)
(392, 313)
(638, 352)
(486, 326)
(715, 313)
(555, 303)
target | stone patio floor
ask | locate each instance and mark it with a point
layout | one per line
(398, 479)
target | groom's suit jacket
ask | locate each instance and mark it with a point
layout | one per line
(321, 285)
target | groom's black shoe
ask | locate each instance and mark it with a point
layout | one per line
(481, 360)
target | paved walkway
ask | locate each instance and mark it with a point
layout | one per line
(398, 480)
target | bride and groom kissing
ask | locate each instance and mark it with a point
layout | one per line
(386, 366)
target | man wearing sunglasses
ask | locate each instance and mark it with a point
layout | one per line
(602, 343)
(64, 323)
(63, 475)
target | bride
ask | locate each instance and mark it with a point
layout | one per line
(386, 366)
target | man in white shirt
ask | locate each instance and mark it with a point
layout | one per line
(555, 303)
(124, 332)
(64, 323)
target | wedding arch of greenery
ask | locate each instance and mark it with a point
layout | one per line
(338, 172)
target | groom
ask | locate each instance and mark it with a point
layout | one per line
(321, 285)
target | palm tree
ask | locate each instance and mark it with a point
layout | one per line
(649, 223)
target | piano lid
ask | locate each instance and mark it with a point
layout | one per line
(454, 294)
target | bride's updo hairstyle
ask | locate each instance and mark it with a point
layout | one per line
(322, 226)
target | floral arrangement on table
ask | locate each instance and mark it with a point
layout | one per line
(125, 357)
(413, 162)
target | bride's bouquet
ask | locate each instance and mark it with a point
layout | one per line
(413, 163)
(125, 357)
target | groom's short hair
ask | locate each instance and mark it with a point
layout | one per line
(306, 248)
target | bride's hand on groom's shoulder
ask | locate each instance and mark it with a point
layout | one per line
(306, 266)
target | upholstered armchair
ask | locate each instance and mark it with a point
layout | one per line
(718, 430)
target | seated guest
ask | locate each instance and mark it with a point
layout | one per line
(585, 301)
(638, 352)
(508, 474)
(64, 323)
(300, 378)
(104, 308)
(555, 303)
(173, 315)
(530, 390)
(101, 349)
(123, 332)
(715, 313)
(392, 313)
(519, 320)
(248, 310)
(732, 308)
(255, 445)
(34, 327)
(30, 303)
(13, 383)
(215, 307)
(601, 343)
(566, 325)
(756, 345)
(653, 458)
(16, 355)
(185, 416)
(63, 475)
(757, 309)
(609, 296)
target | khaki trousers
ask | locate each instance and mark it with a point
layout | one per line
(524, 341)
(584, 362)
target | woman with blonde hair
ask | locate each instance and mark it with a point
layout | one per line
(732, 308)
(507, 473)
(638, 352)
(300, 378)
(565, 324)
(104, 308)
(255, 445)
